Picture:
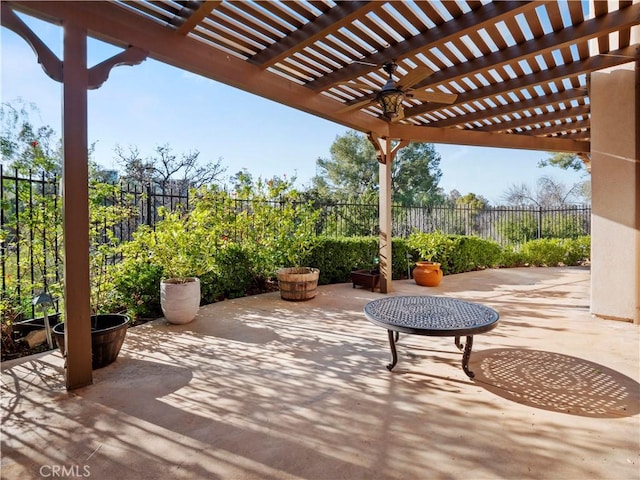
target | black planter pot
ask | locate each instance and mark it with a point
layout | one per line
(23, 327)
(107, 336)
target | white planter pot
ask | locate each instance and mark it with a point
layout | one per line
(180, 299)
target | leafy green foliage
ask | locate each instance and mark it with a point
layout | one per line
(564, 160)
(353, 171)
(455, 253)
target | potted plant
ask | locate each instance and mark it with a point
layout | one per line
(179, 246)
(429, 246)
(298, 283)
(108, 330)
(368, 278)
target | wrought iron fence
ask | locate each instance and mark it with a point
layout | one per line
(30, 223)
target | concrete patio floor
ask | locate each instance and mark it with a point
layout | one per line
(261, 388)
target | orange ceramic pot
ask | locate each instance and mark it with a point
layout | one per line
(427, 274)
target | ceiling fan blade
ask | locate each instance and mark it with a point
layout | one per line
(354, 106)
(434, 96)
(414, 76)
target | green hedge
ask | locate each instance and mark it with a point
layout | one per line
(455, 253)
(235, 274)
(337, 257)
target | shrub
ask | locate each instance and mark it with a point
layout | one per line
(578, 250)
(455, 253)
(551, 252)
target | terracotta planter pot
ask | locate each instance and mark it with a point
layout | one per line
(298, 283)
(107, 336)
(427, 274)
(180, 299)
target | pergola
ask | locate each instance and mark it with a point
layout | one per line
(528, 75)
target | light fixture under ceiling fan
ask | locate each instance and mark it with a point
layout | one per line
(392, 94)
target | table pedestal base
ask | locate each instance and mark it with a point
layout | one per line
(466, 354)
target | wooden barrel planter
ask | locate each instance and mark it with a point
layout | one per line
(107, 336)
(298, 283)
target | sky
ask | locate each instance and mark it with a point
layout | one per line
(154, 104)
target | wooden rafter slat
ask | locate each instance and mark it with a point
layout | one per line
(555, 18)
(559, 128)
(393, 23)
(408, 14)
(320, 5)
(490, 13)
(351, 43)
(544, 76)
(533, 22)
(452, 7)
(565, 52)
(334, 43)
(575, 12)
(168, 7)
(311, 59)
(515, 30)
(225, 37)
(277, 9)
(537, 119)
(196, 17)
(300, 9)
(254, 12)
(581, 135)
(240, 17)
(151, 12)
(496, 36)
(329, 23)
(463, 49)
(479, 42)
(430, 12)
(243, 50)
(601, 8)
(528, 104)
(379, 30)
(240, 31)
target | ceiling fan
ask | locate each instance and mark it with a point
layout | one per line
(392, 94)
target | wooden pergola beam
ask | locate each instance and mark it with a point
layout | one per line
(485, 139)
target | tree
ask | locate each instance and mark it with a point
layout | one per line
(564, 160)
(548, 193)
(25, 146)
(352, 171)
(416, 174)
(165, 169)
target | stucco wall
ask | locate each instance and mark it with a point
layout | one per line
(615, 172)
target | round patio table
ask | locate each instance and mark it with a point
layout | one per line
(433, 317)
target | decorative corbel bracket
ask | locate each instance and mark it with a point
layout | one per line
(586, 159)
(54, 67)
(98, 74)
(381, 146)
(50, 63)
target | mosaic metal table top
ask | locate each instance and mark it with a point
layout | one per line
(430, 313)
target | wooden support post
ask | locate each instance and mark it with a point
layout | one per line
(385, 152)
(75, 197)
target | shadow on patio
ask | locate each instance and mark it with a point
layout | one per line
(260, 388)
